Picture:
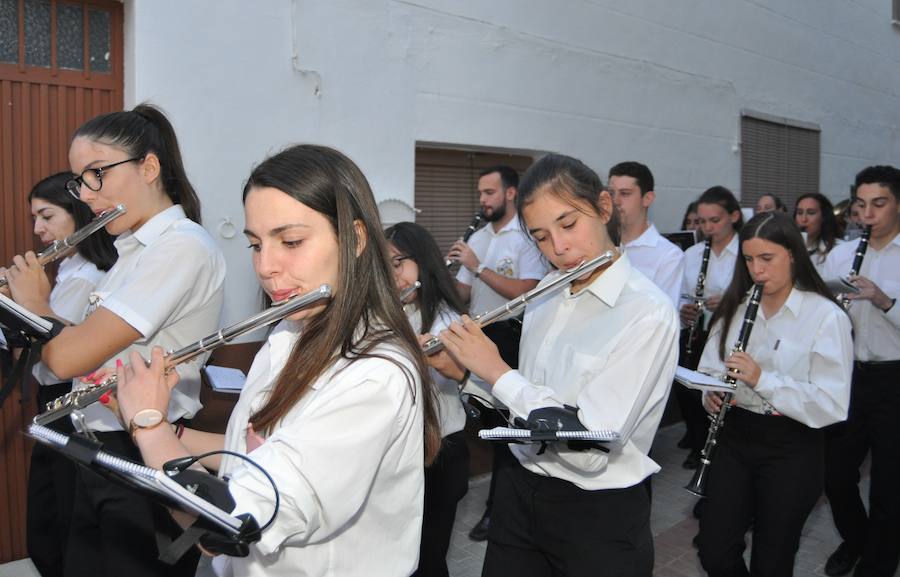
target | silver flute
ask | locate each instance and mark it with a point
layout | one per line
(470, 230)
(408, 291)
(697, 485)
(434, 344)
(60, 248)
(73, 402)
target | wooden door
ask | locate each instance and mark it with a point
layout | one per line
(60, 64)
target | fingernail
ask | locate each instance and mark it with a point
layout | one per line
(104, 399)
(118, 363)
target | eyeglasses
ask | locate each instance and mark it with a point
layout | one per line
(93, 177)
(397, 261)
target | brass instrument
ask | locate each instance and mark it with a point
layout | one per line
(408, 291)
(511, 308)
(697, 485)
(61, 248)
(72, 403)
(699, 300)
(470, 230)
(858, 259)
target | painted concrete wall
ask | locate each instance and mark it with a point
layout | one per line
(652, 80)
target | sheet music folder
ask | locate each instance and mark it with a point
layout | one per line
(21, 320)
(156, 484)
(702, 382)
(550, 424)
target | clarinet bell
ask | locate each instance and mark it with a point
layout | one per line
(697, 486)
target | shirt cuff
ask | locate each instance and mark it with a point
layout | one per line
(893, 315)
(766, 385)
(507, 390)
(129, 315)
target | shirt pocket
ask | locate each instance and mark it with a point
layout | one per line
(792, 359)
(507, 266)
(584, 368)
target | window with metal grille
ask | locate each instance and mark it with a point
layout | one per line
(447, 188)
(779, 156)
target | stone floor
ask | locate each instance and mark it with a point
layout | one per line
(673, 525)
(672, 522)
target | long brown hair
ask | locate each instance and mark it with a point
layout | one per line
(365, 296)
(779, 228)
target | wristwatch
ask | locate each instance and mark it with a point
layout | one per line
(145, 419)
(479, 270)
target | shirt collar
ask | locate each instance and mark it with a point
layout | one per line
(608, 286)
(512, 225)
(794, 302)
(156, 226)
(649, 237)
(732, 246)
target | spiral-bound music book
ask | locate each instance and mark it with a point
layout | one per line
(537, 436)
(19, 319)
(702, 382)
(147, 480)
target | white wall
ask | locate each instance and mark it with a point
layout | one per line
(603, 80)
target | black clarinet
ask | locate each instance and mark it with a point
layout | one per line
(697, 486)
(858, 258)
(470, 230)
(698, 298)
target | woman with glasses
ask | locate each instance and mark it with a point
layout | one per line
(51, 476)
(166, 289)
(416, 257)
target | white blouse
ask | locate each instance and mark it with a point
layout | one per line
(877, 333)
(75, 280)
(610, 350)
(805, 352)
(718, 271)
(450, 409)
(169, 284)
(347, 460)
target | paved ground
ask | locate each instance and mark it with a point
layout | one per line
(673, 525)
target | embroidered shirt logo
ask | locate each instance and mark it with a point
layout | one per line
(505, 267)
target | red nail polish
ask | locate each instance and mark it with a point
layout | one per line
(104, 399)
(118, 363)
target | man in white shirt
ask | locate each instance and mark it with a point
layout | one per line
(499, 263)
(631, 186)
(873, 538)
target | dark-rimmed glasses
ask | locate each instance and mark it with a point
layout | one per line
(93, 177)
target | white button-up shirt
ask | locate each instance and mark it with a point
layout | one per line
(877, 334)
(347, 460)
(508, 252)
(610, 350)
(168, 284)
(452, 414)
(805, 352)
(660, 261)
(75, 280)
(718, 272)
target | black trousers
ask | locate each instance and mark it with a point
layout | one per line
(542, 527)
(114, 530)
(689, 401)
(767, 471)
(872, 425)
(506, 336)
(51, 491)
(446, 482)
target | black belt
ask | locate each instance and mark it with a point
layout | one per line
(876, 365)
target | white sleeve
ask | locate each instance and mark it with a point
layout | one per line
(825, 398)
(669, 276)
(324, 464)
(531, 262)
(69, 299)
(616, 396)
(465, 276)
(160, 290)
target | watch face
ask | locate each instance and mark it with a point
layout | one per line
(147, 417)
